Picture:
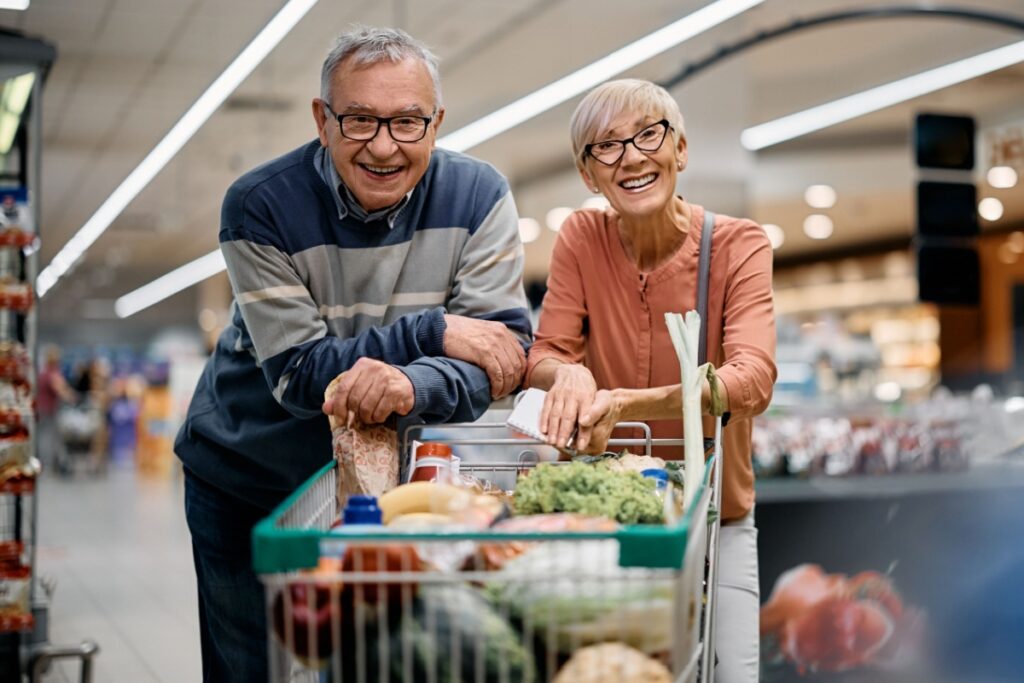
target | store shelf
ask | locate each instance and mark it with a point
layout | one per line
(19, 486)
(16, 623)
(981, 477)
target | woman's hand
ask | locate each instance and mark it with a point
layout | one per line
(569, 397)
(597, 422)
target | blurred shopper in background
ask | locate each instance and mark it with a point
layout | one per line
(53, 391)
(122, 422)
(367, 254)
(603, 349)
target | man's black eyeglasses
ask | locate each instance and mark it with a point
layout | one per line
(363, 127)
(608, 152)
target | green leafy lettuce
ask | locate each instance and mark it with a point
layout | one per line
(589, 489)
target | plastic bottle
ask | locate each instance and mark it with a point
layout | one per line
(433, 462)
(660, 478)
(362, 510)
(361, 515)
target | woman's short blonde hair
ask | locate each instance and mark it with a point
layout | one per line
(608, 100)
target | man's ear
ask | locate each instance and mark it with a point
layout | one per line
(320, 117)
(436, 125)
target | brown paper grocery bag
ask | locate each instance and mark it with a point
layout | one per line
(367, 456)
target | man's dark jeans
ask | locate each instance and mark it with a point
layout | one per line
(232, 616)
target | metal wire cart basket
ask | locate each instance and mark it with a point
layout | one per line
(383, 616)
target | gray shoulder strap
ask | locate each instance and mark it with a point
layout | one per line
(703, 276)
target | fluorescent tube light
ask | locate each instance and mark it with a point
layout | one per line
(170, 284)
(567, 87)
(14, 4)
(254, 53)
(12, 105)
(880, 97)
(561, 90)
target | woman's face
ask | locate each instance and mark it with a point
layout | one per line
(640, 183)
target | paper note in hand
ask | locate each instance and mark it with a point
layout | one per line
(525, 417)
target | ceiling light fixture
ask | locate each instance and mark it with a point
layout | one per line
(529, 230)
(169, 284)
(569, 86)
(12, 104)
(226, 83)
(600, 202)
(990, 208)
(850, 107)
(14, 4)
(553, 94)
(820, 196)
(556, 216)
(1002, 177)
(818, 226)
(776, 235)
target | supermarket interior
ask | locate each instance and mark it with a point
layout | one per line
(216, 271)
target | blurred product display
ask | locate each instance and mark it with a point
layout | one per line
(943, 434)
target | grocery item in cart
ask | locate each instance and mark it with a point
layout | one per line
(612, 663)
(367, 460)
(306, 610)
(433, 463)
(454, 633)
(367, 456)
(577, 592)
(595, 489)
(496, 554)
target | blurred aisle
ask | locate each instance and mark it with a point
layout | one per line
(119, 549)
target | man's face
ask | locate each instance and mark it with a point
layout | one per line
(380, 171)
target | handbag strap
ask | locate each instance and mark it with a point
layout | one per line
(703, 276)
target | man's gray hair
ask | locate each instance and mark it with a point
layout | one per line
(367, 45)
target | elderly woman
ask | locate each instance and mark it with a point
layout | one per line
(603, 349)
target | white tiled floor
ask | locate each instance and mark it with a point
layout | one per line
(119, 550)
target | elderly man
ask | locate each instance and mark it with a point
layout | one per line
(366, 254)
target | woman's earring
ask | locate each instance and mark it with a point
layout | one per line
(594, 190)
(679, 166)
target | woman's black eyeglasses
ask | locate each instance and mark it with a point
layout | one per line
(608, 152)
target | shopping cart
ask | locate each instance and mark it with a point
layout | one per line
(383, 617)
(78, 426)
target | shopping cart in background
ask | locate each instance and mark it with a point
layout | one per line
(385, 617)
(78, 426)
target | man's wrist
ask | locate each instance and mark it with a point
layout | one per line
(431, 331)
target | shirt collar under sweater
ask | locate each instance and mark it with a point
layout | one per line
(343, 199)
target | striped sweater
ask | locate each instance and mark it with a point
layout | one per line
(315, 291)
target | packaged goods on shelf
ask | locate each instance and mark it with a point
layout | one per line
(855, 444)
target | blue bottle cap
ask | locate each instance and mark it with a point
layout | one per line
(656, 474)
(362, 510)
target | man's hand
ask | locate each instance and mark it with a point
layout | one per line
(490, 346)
(569, 397)
(597, 422)
(370, 392)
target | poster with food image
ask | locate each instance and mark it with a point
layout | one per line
(819, 623)
(895, 579)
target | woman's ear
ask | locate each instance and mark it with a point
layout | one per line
(681, 154)
(588, 180)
